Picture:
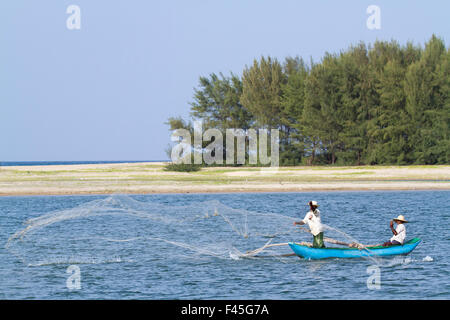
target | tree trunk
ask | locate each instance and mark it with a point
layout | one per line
(333, 156)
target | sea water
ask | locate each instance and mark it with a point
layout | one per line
(193, 246)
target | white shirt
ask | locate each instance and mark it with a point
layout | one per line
(313, 221)
(401, 233)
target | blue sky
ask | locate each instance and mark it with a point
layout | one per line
(104, 92)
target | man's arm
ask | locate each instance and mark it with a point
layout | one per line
(300, 223)
(391, 224)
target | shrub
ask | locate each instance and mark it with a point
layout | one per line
(182, 167)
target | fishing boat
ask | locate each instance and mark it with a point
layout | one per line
(307, 252)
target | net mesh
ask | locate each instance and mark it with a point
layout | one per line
(120, 228)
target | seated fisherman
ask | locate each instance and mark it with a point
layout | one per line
(399, 232)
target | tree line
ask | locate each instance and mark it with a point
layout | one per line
(383, 103)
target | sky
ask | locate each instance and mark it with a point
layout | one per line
(104, 91)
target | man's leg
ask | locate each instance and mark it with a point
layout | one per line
(391, 243)
(318, 241)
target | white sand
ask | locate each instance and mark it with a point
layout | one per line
(151, 178)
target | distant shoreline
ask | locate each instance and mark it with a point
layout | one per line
(63, 163)
(215, 192)
(150, 178)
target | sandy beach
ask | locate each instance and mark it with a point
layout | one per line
(143, 178)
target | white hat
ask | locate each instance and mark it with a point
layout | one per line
(314, 203)
(400, 218)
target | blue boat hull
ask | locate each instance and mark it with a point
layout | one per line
(324, 253)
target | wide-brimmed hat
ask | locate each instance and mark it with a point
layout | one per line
(314, 203)
(400, 218)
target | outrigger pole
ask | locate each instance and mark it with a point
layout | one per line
(329, 240)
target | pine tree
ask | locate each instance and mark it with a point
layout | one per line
(356, 102)
(427, 88)
(292, 102)
(261, 92)
(217, 104)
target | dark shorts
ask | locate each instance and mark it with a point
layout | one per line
(391, 243)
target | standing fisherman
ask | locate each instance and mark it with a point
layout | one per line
(312, 218)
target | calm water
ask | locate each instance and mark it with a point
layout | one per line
(189, 246)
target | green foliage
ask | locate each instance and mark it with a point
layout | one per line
(379, 104)
(428, 106)
(217, 103)
(182, 167)
(261, 91)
